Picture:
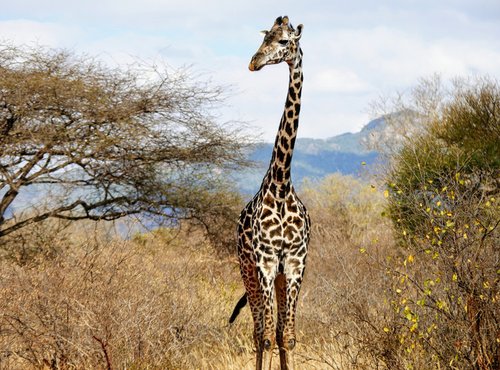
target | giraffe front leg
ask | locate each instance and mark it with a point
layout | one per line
(266, 270)
(280, 286)
(292, 281)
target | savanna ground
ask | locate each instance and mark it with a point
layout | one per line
(81, 296)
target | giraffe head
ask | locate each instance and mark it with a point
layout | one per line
(281, 44)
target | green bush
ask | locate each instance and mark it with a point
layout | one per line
(442, 192)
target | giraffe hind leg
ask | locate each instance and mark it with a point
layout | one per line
(255, 299)
(256, 305)
(292, 281)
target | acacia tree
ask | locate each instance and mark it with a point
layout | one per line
(79, 140)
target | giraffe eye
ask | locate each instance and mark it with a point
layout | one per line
(283, 42)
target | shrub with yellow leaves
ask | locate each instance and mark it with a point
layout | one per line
(442, 192)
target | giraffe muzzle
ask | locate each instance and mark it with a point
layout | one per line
(253, 67)
(255, 63)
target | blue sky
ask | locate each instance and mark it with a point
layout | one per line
(354, 51)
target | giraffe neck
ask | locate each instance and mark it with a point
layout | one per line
(279, 173)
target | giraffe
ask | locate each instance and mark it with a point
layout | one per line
(273, 228)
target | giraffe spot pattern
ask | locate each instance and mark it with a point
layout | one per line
(274, 228)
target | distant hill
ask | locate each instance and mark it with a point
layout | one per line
(315, 158)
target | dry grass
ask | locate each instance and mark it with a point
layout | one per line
(154, 301)
(81, 297)
(144, 303)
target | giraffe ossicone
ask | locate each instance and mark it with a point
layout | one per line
(274, 227)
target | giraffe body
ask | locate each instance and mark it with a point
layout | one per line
(273, 229)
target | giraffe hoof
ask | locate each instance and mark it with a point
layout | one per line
(267, 344)
(291, 344)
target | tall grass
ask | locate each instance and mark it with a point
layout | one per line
(83, 297)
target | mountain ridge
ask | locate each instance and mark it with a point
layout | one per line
(347, 153)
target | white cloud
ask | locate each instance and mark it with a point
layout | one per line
(354, 51)
(393, 58)
(23, 31)
(334, 80)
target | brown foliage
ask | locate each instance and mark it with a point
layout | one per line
(87, 299)
(104, 302)
(343, 295)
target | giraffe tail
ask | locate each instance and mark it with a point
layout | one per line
(241, 303)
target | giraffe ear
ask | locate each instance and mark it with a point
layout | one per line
(298, 31)
(264, 32)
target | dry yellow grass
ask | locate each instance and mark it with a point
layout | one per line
(154, 301)
(82, 297)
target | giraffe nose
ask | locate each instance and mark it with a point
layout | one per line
(253, 66)
(256, 62)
